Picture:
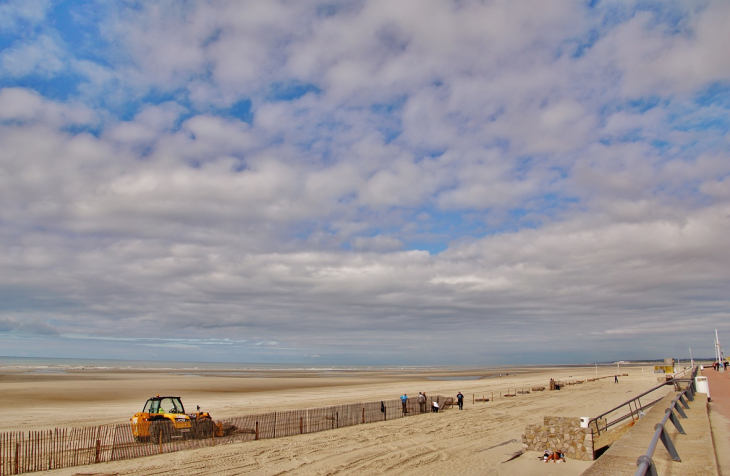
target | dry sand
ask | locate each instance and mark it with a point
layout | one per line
(477, 440)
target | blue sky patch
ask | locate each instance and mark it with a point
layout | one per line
(241, 110)
(290, 91)
(717, 94)
(581, 45)
(61, 87)
(77, 22)
(641, 105)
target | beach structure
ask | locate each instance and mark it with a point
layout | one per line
(564, 433)
(667, 367)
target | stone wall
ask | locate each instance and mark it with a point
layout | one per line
(560, 433)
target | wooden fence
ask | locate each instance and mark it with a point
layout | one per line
(23, 452)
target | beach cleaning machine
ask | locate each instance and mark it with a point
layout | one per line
(163, 419)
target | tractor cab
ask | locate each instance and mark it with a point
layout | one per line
(161, 405)
(161, 420)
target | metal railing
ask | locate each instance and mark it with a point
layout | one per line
(644, 462)
(635, 407)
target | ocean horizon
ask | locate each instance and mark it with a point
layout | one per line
(62, 364)
(58, 364)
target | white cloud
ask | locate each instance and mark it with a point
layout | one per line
(25, 105)
(42, 56)
(14, 12)
(652, 61)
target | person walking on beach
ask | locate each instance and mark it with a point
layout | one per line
(615, 379)
(422, 402)
(460, 400)
(404, 402)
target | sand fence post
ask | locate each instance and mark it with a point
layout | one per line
(114, 442)
(98, 450)
(257, 431)
(301, 425)
(363, 415)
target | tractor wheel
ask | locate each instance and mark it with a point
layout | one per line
(204, 429)
(161, 431)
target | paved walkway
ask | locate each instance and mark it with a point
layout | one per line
(695, 448)
(720, 416)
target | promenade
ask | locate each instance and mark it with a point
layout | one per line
(705, 449)
(719, 407)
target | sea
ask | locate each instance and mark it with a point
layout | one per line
(61, 365)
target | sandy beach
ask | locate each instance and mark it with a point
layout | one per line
(478, 440)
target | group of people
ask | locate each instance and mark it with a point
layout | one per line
(422, 403)
(434, 404)
(716, 365)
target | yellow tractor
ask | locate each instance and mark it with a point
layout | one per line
(163, 419)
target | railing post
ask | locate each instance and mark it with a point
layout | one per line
(680, 411)
(664, 436)
(675, 420)
(683, 401)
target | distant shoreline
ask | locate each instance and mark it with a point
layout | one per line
(10, 363)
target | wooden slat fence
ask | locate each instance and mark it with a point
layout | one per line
(24, 452)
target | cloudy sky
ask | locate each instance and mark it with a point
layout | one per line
(365, 181)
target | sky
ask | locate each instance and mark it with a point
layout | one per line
(420, 182)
